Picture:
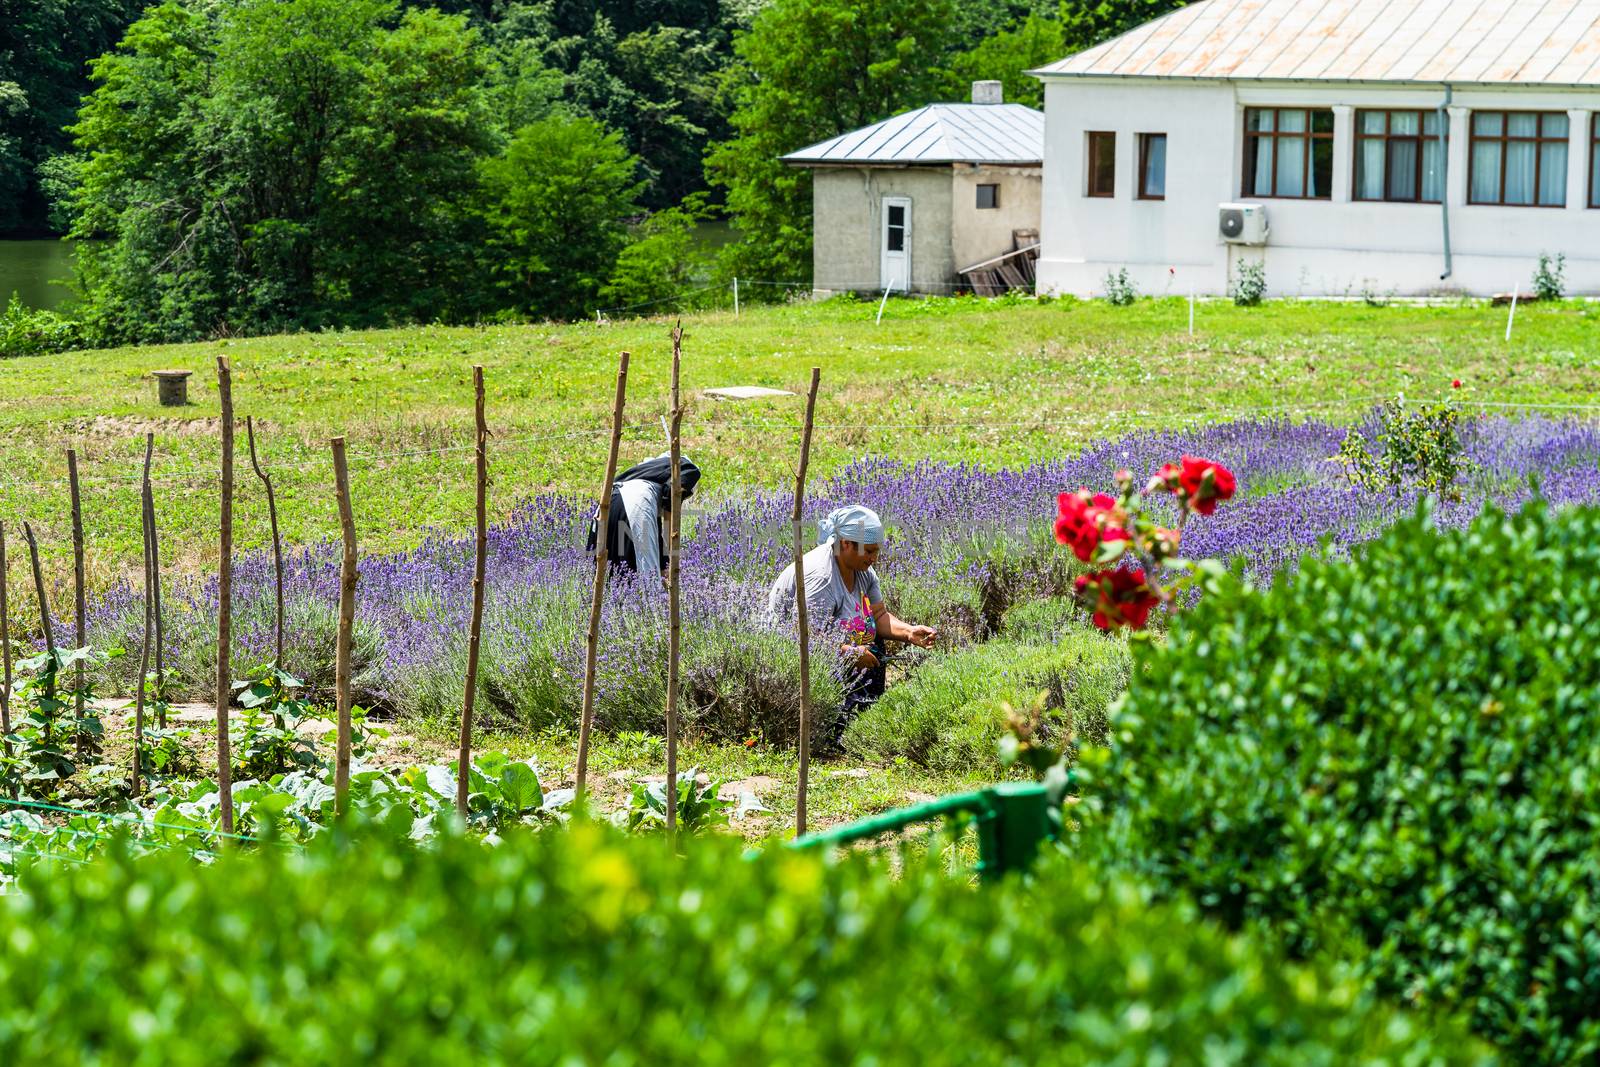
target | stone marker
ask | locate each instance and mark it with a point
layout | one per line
(174, 387)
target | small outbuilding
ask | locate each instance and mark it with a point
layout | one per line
(929, 201)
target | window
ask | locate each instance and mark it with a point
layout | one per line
(1519, 158)
(988, 196)
(1288, 153)
(895, 237)
(1594, 160)
(1102, 164)
(1398, 157)
(1152, 166)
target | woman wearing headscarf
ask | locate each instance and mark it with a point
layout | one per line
(641, 502)
(843, 595)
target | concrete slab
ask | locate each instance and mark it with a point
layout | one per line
(746, 392)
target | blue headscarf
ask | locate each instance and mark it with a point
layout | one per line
(852, 523)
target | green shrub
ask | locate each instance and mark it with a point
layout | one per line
(586, 947)
(950, 713)
(1397, 755)
(25, 331)
(1550, 278)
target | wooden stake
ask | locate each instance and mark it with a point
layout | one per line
(800, 606)
(155, 588)
(277, 542)
(479, 567)
(347, 618)
(673, 621)
(225, 599)
(44, 610)
(80, 615)
(5, 651)
(144, 652)
(600, 565)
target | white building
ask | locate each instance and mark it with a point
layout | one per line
(1393, 146)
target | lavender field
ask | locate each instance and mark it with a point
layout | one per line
(966, 546)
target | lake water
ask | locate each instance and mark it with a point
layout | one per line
(28, 268)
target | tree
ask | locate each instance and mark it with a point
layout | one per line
(556, 203)
(655, 85)
(665, 260)
(1086, 23)
(45, 46)
(808, 70)
(1006, 56)
(257, 165)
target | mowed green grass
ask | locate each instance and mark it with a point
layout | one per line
(967, 381)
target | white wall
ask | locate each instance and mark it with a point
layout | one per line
(1318, 247)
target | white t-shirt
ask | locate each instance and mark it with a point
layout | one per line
(829, 602)
(644, 527)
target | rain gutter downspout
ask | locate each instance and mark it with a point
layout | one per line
(1444, 176)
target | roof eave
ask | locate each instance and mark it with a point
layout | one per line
(1399, 83)
(903, 164)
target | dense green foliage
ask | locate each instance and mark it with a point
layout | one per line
(585, 947)
(25, 331)
(1393, 757)
(949, 714)
(45, 46)
(249, 166)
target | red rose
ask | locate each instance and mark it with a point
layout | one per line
(1205, 483)
(1082, 522)
(1120, 598)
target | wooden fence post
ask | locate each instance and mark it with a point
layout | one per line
(801, 619)
(80, 615)
(277, 543)
(44, 613)
(600, 564)
(673, 619)
(5, 651)
(479, 569)
(154, 541)
(347, 617)
(225, 599)
(144, 649)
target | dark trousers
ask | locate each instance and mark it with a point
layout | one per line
(862, 688)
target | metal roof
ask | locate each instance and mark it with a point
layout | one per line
(938, 133)
(1467, 42)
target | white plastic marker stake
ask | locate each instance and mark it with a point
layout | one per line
(1191, 311)
(1516, 291)
(882, 302)
(735, 296)
(665, 429)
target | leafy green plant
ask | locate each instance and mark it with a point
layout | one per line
(25, 331)
(1391, 759)
(1550, 277)
(364, 940)
(1249, 284)
(1418, 448)
(1120, 290)
(165, 753)
(699, 807)
(268, 742)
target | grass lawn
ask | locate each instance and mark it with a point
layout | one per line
(956, 380)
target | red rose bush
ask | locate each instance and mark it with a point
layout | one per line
(1128, 548)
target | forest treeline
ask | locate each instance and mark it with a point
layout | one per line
(248, 166)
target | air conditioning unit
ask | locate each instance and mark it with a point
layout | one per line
(1243, 224)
